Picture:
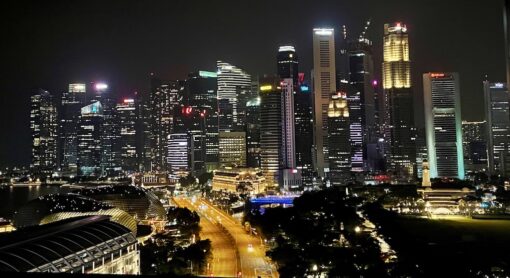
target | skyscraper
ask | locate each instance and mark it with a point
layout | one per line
(70, 110)
(475, 146)
(339, 140)
(397, 85)
(361, 103)
(201, 97)
(324, 85)
(232, 149)
(303, 117)
(287, 63)
(127, 117)
(179, 153)
(110, 156)
(253, 133)
(443, 125)
(498, 127)
(288, 131)
(270, 128)
(89, 140)
(43, 125)
(234, 84)
(165, 98)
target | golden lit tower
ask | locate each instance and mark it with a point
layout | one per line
(338, 140)
(400, 131)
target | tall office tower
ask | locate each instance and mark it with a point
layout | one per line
(270, 129)
(200, 95)
(163, 100)
(443, 125)
(127, 116)
(70, 110)
(304, 135)
(339, 140)
(235, 85)
(253, 133)
(110, 133)
(287, 63)
(179, 156)
(89, 140)
(361, 103)
(288, 149)
(226, 110)
(397, 86)
(498, 128)
(475, 146)
(232, 149)
(324, 85)
(43, 125)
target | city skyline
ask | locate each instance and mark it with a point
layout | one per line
(50, 67)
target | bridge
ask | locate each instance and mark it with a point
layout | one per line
(274, 199)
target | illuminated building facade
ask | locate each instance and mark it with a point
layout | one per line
(235, 85)
(253, 133)
(324, 85)
(165, 98)
(443, 125)
(110, 156)
(232, 149)
(303, 117)
(339, 140)
(179, 153)
(498, 127)
(202, 120)
(233, 180)
(43, 126)
(89, 140)
(400, 130)
(361, 103)
(475, 146)
(270, 128)
(287, 63)
(71, 103)
(288, 131)
(127, 116)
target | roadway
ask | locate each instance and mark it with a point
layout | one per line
(250, 249)
(223, 263)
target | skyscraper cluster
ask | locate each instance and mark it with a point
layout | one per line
(346, 126)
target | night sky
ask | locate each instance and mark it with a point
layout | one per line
(48, 44)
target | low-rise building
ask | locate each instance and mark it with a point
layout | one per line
(239, 179)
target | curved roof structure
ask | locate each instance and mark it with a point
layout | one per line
(65, 246)
(138, 202)
(56, 207)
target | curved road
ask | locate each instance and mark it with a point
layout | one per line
(250, 255)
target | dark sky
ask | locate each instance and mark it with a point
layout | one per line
(49, 44)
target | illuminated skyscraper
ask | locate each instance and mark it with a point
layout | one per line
(339, 140)
(43, 125)
(397, 85)
(232, 149)
(324, 85)
(287, 63)
(498, 127)
(288, 130)
(443, 125)
(70, 110)
(110, 156)
(304, 132)
(200, 95)
(89, 140)
(253, 133)
(179, 153)
(235, 85)
(475, 146)
(270, 129)
(165, 98)
(127, 120)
